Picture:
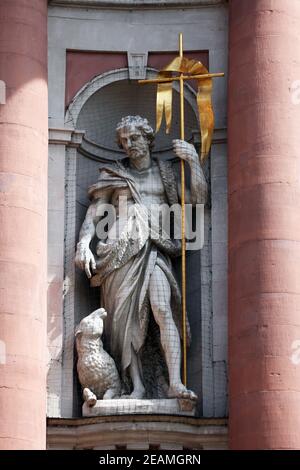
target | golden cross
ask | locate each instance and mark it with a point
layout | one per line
(188, 69)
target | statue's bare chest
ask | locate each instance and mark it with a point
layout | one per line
(149, 185)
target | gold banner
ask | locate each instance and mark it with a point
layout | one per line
(164, 99)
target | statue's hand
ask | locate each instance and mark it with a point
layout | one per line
(84, 259)
(185, 151)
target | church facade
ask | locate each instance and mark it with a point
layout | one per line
(69, 72)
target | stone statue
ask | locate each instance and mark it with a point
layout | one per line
(97, 371)
(134, 269)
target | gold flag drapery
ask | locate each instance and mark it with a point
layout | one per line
(204, 100)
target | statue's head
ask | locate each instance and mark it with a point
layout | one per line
(92, 325)
(135, 136)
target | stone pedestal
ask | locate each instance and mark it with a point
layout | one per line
(168, 406)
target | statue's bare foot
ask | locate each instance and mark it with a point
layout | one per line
(110, 394)
(138, 394)
(89, 397)
(180, 391)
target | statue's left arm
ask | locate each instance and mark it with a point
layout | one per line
(198, 191)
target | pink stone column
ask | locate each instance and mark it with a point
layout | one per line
(23, 224)
(264, 224)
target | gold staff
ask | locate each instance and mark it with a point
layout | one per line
(165, 80)
(183, 246)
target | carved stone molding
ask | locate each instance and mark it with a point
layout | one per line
(166, 432)
(136, 3)
(65, 136)
(137, 64)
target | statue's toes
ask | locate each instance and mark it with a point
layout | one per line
(189, 395)
(181, 391)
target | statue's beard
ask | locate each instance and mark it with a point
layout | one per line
(136, 154)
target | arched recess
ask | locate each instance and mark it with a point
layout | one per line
(102, 102)
(100, 81)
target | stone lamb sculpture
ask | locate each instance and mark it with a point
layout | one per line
(96, 369)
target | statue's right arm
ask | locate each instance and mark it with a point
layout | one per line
(84, 258)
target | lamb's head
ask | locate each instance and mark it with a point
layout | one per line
(92, 325)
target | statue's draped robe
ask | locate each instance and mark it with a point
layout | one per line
(124, 267)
